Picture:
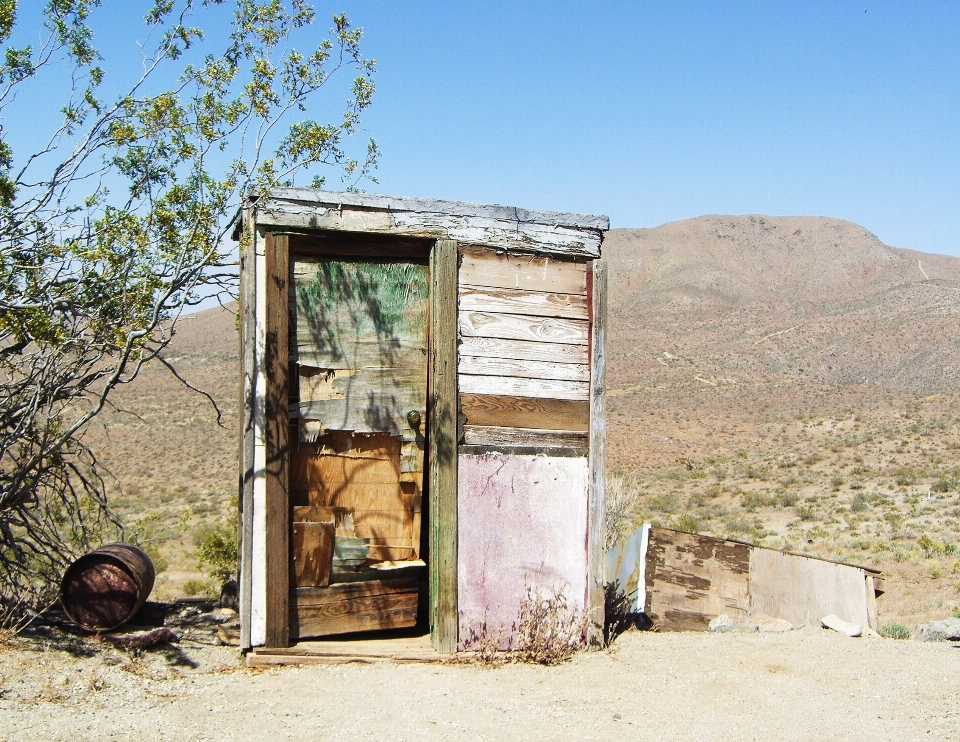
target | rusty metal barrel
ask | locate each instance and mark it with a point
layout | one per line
(106, 587)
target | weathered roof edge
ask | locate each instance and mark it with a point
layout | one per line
(438, 206)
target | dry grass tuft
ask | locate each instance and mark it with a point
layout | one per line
(549, 631)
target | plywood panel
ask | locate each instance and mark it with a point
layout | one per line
(804, 590)
(525, 412)
(522, 523)
(523, 327)
(312, 552)
(513, 301)
(691, 579)
(523, 369)
(524, 350)
(511, 386)
(481, 267)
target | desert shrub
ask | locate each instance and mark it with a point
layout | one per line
(905, 476)
(198, 587)
(665, 503)
(688, 522)
(788, 499)
(896, 631)
(836, 482)
(806, 512)
(548, 629)
(860, 503)
(750, 501)
(217, 553)
(620, 507)
(813, 459)
(856, 485)
(933, 548)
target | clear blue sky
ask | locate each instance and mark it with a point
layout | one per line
(655, 111)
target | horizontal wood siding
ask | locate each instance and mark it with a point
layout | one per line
(525, 412)
(354, 606)
(524, 349)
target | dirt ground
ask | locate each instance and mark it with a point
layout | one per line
(807, 684)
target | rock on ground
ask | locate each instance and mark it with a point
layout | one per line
(939, 631)
(838, 624)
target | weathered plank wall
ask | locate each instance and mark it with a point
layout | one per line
(523, 368)
(522, 523)
(692, 579)
(804, 590)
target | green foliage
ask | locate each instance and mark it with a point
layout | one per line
(665, 503)
(93, 278)
(199, 587)
(217, 553)
(860, 503)
(896, 631)
(933, 548)
(688, 522)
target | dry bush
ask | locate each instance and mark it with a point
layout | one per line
(548, 630)
(621, 501)
(487, 645)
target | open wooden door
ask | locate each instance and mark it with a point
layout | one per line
(359, 336)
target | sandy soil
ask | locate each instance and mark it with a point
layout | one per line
(807, 684)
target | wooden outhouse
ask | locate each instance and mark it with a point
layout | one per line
(423, 426)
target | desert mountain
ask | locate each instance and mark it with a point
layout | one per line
(743, 298)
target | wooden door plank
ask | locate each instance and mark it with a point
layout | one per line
(524, 327)
(523, 369)
(442, 442)
(277, 513)
(512, 386)
(514, 301)
(525, 412)
(524, 350)
(484, 267)
(597, 455)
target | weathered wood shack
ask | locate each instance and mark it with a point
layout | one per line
(423, 429)
(680, 581)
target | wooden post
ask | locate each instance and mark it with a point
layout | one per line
(277, 444)
(598, 433)
(248, 330)
(443, 447)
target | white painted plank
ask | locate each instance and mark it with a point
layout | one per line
(258, 588)
(514, 387)
(513, 301)
(523, 369)
(476, 230)
(524, 350)
(522, 327)
(335, 199)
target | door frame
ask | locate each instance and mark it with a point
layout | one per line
(441, 464)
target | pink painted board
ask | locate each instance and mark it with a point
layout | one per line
(522, 521)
